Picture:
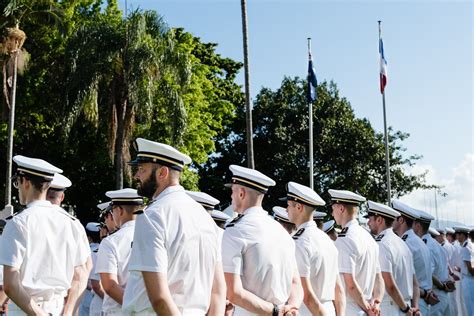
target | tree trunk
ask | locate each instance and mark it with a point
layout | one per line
(118, 161)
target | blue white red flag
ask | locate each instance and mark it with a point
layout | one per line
(383, 68)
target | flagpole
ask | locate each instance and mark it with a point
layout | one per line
(387, 156)
(310, 114)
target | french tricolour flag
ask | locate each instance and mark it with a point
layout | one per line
(383, 68)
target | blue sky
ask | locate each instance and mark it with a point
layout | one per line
(428, 46)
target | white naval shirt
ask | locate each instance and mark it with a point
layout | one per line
(421, 259)
(261, 251)
(467, 254)
(96, 302)
(45, 243)
(359, 256)
(439, 261)
(176, 236)
(316, 257)
(396, 258)
(113, 257)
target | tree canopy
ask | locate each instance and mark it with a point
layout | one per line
(348, 152)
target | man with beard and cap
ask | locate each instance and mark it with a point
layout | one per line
(281, 216)
(258, 255)
(402, 226)
(439, 263)
(396, 263)
(114, 251)
(358, 256)
(174, 265)
(316, 255)
(463, 234)
(45, 253)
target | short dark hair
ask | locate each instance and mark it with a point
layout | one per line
(408, 220)
(388, 221)
(39, 183)
(425, 226)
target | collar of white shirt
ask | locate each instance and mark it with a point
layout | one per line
(386, 232)
(127, 224)
(39, 203)
(307, 224)
(168, 190)
(254, 210)
(351, 222)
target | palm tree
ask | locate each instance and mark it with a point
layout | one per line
(13, 60)
(118, 67)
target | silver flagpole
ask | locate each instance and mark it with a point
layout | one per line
(310, 114)
(387, 156)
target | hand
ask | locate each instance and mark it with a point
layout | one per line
(229, 308)
(455, 277)
(431, 298)
(288, 310)
(374, 307)
(449, 286)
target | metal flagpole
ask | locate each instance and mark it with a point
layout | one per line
(11, 129)
(387, 162)
(248, 106)
(310, 114)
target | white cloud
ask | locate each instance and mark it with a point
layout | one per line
(458, 204)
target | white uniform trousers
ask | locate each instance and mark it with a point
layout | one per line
(115, 312)
(442, 308)
(424, 307)
(53, 306)
(388, 307)
(186, 312)
(327, 305)
(96, 305)
(453, 308)
(468, 293)
(85, 303)
(352, 309)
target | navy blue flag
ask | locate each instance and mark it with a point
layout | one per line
(312, 94)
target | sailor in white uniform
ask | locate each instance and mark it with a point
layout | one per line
(330, 229)
(258, 255)
(316, 255)
(98, 293)
(45, 252)
(467, 270)
(174, 262)
(318, 218)
(396, 262)
(114, 251)
(358, 256)
(220, 218)
(420, 252)
(281, 216)
(441, 281)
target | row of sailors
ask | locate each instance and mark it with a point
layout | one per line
(171, 259)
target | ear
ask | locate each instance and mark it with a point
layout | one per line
(241, 193)
(61, 198)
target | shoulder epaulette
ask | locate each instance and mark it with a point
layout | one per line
(405, 237)
(343, 232)
(425, 240)
(95, 250)
(235, 220)
(138, 212)
(298, 233)
(379, 237)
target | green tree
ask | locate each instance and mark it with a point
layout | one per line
(118, 68)
(348, 152)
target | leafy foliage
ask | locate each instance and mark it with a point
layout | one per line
(348, 152)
